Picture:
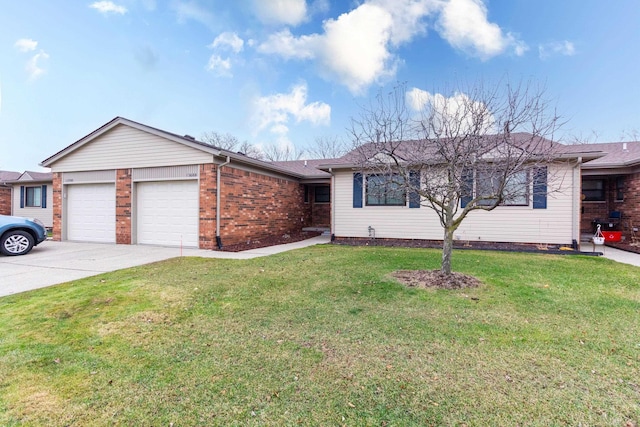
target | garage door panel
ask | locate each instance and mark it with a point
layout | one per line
(167, 213)
(91, 213)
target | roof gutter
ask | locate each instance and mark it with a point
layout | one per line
(218, 183)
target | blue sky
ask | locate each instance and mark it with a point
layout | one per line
(290, 71)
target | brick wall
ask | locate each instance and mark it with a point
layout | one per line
(57, 207)
(123, 206)
(321, 214)
(631, 206)
(5, 200)
(591, 211)
(255, 206)
(207, 206)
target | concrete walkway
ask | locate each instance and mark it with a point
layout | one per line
(621, 256)
(52, 262)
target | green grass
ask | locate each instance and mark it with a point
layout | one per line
(323, 336)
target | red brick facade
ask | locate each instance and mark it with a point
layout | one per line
(123, 206)
(5, 200)
(255, 206)
(57, 206)
(207, 206)
(629, 206)
(321, 214)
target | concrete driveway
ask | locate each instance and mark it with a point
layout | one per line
(52, 262)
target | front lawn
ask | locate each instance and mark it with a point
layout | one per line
(325, 336)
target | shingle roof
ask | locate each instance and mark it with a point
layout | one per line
(420, 150)
(618, 154)
(39, 176)
(306, 168)
(8, 176)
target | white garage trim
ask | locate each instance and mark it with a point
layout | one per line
(91, 213)
(167, 213)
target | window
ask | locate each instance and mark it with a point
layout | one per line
(488, 185)
(33, 197)
(322, 194)
(516, 190)
(514, 193)
(593, 190)
(386, 190)
(306, 193)
(620, 189)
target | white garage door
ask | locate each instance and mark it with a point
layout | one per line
(91, 213)
(167, 213)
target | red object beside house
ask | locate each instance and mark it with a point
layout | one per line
(612, 236)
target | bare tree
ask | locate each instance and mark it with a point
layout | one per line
(328, 148)
(230, 142)
(478, 149)
(582, 138)
(630, 135)
(278, 153)
(226, 141)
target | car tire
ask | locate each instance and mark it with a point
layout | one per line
(16, 242)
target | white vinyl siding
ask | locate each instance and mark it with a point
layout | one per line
(91, 213)
(518, 224)
(167, 213)
(125, 147)
(43, 214)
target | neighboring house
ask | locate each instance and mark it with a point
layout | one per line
(129, 183)
(6, 190)
(32, 195)
(551, 219)
(610, 189)
(27, 194)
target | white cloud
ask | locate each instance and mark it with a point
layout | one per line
(274, 112)
(357, 48)
(408, 17)
(464, 25)
(33, 67)
(443, 110)
(228, 40)
(107, 7)
(26, 45)
(353, 48)
(563, 48)
(192, 11)
(220, 66)
(285, 44)
(287, 12)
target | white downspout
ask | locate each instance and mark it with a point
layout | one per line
(332, 220)
(577, 213)
(218, 182)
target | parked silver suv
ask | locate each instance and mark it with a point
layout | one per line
(19, 235)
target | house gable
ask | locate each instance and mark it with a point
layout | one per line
(124, 146)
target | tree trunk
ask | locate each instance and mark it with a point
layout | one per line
(447, 248)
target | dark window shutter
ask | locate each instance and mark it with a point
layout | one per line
(467, 187)
(22, 196)
(540, 188)
(357, 190)
(414, 182)
(43, 202)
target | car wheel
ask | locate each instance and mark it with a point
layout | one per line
(16, 242)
